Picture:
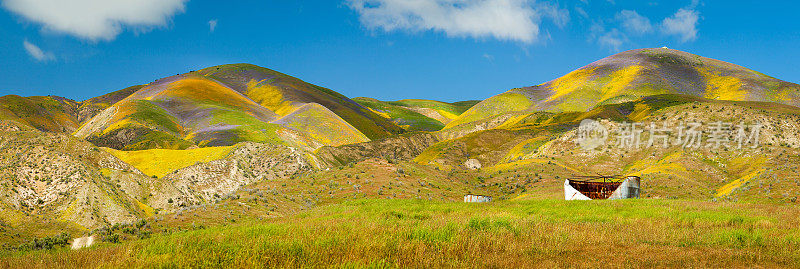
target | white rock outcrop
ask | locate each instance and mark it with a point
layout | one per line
(473, 164)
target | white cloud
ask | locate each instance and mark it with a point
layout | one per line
(37, 53)
(559, 16)
(514, 20)
(682, 24)
(628, 24)
(612, 39)
(95, 19)
(633, 22)
(212, 25)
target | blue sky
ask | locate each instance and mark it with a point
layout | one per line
(447, 50)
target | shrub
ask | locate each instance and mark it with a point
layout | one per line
(129, 230)
(144, 234)
(47, 242)
(113, 238)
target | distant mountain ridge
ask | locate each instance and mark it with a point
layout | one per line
(221, 106)
(227, 104)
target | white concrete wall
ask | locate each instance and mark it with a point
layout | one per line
(571, 193)
(628, 189)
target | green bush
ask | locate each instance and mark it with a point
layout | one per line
(47, 242)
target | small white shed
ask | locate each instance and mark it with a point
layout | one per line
(472, 198)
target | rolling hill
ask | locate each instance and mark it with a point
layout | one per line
(57, 114)
(283, 94)
(416, 114)
(541, 142)
(56, 180)
(44, 113)
(629, 75)
(91, 107)
(224, 105)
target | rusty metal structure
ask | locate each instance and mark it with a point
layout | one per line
(601, 187)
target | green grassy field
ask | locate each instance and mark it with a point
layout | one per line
(514, 233)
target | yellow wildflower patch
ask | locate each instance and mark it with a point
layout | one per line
(523, 149)
(728, 188)
(512, 121)
(640, 112)
(148, 211)
(498, 104)
(668, 165)
(160, 162)
(752, 168)
(723, 87)
(270, 97)
(380, 113)
(516, 164)
(784, 95)
(619, 80)
(583, 88)
(205, 91)
(446, 114)
(570, 82)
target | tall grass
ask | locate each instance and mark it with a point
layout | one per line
(418, 233)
